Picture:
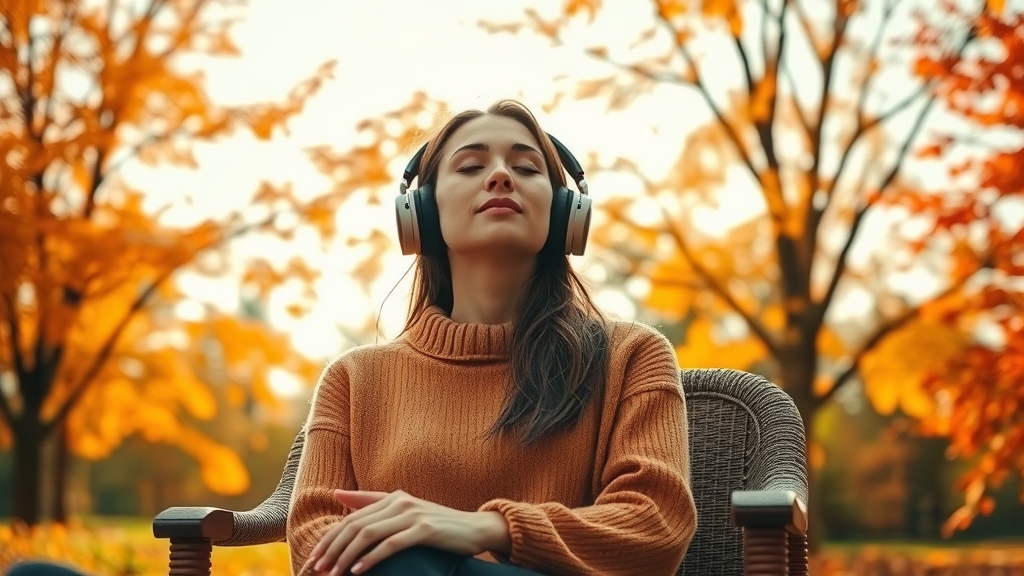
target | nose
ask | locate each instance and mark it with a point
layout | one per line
(500, 179)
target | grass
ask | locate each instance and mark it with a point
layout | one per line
(126, 547)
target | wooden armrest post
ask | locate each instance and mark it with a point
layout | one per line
(192, 532)
(774, 524)
(191, 557)
(798, 556)
(765, 552)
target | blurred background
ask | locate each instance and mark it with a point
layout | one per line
(196, 214)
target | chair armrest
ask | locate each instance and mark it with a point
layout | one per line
(769, 509)
(214, 524)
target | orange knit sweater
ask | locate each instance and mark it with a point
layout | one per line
(609, 497)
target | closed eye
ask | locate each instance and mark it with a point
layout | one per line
(530, 170)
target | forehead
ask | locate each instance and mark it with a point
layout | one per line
(491, 130)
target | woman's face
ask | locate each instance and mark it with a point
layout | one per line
(493, 190)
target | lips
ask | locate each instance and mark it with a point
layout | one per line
(501, 203)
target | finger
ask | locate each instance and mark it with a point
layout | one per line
(357, 499)
(334, 542)
(367, 538)
(390, 546)
(324, 543)
(356, 536)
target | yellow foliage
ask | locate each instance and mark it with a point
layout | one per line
(705, 349)
(896, 368)
(88, 266)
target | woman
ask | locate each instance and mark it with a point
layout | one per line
(509, 422)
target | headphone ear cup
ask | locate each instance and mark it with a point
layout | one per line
(560, 214)
(580, 210)
(408, 222)
(431, 241)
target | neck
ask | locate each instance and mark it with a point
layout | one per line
(486, 291)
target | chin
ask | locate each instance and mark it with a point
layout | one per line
(499, 248)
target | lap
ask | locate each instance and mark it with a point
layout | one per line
(425, 561)
(41, 569)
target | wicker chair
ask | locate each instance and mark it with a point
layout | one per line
(749, 482)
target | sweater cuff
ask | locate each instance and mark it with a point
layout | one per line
(522, 520)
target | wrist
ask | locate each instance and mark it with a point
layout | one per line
(494, 533)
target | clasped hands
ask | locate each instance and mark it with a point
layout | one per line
(382, 524)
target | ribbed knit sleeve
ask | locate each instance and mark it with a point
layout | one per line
(325, 466)
(644, 517)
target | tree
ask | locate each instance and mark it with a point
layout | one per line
(826, 111)
(981, 392)
(93, 334)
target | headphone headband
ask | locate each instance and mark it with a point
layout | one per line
(569, 162)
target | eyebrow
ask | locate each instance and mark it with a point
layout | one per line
(480, 146)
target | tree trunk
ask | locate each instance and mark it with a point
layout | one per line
(59, 474)
(25, 496)
(799, 367)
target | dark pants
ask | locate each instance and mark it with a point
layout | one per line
(41, 569)
(423, 561)
(417, 561)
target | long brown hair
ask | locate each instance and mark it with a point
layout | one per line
(559, 350)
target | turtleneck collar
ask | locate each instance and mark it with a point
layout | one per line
(435, 334)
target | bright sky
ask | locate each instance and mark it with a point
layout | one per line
(435, 47)
(386, 50)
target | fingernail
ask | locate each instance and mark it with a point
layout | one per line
(319, 565)
(357, 568)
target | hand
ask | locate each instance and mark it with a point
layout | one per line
(396, 521)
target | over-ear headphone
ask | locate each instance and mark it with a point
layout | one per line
(419, 228)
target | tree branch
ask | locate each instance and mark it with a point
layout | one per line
(756, 327)
(747, 74)
(812, 215)
(640, 70)
(97, 180)
(801, 115)
(702, 88)
(880, 333)
(841, 261)
(108, 346)
(104, 352)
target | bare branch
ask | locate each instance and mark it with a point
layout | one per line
(841, 260)
(812, 214)
(805, 25)
(801, 115)
(702, 88)
(747, 74)
(755, 326)
(55, 58)
(132, 152)
(640, 70)
(97, 180)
